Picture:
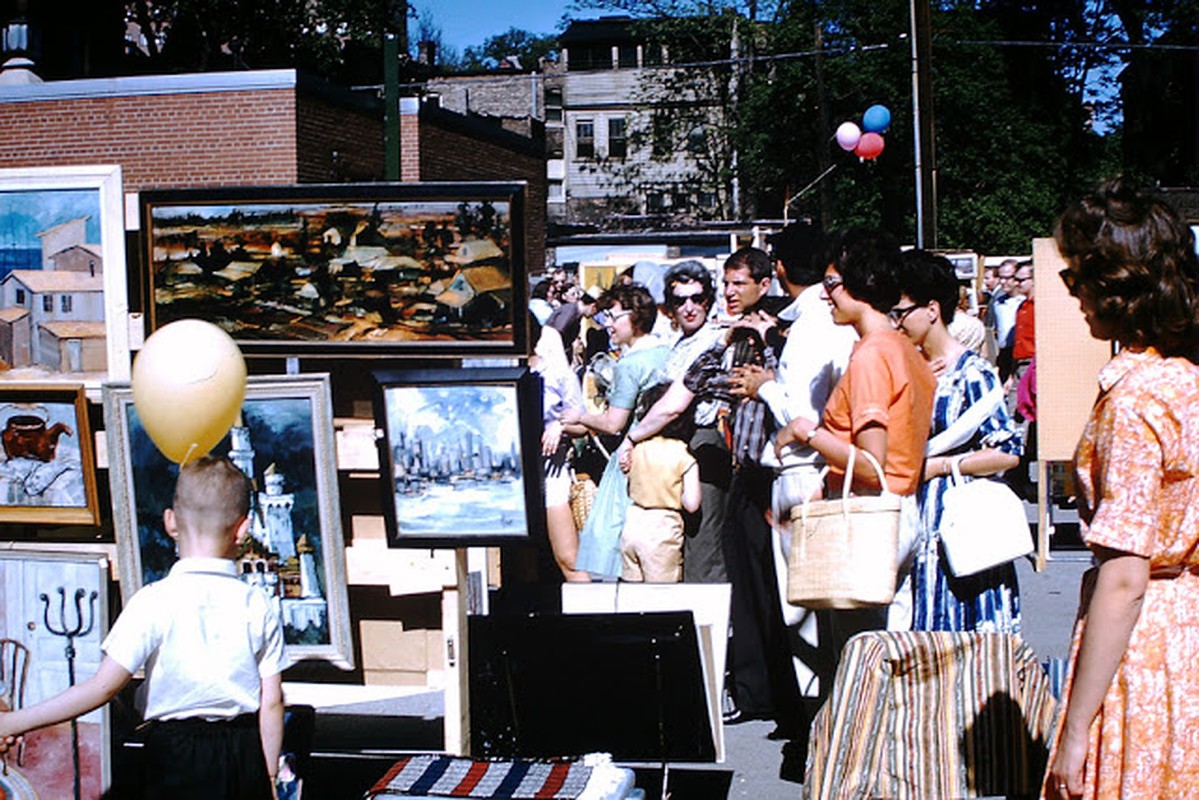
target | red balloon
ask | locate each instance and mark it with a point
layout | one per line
(869, 146)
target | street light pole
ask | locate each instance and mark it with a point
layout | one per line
(922, 122)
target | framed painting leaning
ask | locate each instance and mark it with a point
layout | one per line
(460, 456)
(348, 270)
(295, 551)
(63, 306)
(55, 614)
(48, 472)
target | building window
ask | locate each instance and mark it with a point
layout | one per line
(584, 139)
(697, 140)
(618, 140)
(680, 202)
(20, 297)
(626, 56)
(652, 55)
(65, 304)
(553, 104)
(589, 57)
(707, 200)
(654, 203)
(662, 135)
(556, 192)
(47, 302)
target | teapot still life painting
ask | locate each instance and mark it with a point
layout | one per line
(47, 474)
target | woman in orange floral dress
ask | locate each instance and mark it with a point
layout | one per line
(1130, 728)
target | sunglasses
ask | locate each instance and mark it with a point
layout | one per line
(1070, 279)
(678, 301)
(830, 283)
(898, 314)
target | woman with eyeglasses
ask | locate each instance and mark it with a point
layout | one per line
(628, 313)
(1130, 727)
(882, 404)
(970, 426)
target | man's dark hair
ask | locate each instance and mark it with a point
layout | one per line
(868, 262)
(799, 247)
(691, 272)
(752, 259)
(925, 276)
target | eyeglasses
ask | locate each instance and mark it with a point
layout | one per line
(1070, 278)
(1024, 279)
(1011, 277)
(612, 317)
(830, 283)
(678, 301)
(898, 314)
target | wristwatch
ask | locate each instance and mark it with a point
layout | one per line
(811, 435)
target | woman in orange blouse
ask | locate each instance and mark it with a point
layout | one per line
(1130, 728)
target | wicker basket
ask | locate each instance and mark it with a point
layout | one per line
(582, 495)
(844, 552)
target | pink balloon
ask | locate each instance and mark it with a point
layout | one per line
(848, 135)
(869, 146)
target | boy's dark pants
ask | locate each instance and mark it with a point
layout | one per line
(196, 759)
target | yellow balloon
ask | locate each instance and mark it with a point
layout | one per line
(189, 380)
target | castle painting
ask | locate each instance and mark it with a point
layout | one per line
(295, 551)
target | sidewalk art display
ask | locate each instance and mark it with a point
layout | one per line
(55, 616)
(47, 474)
(295, 551)
(460, 457)
(63, 302)
(346, 270)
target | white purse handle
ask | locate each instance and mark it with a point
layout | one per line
(846, 485)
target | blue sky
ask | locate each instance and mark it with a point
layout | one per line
(466, 23)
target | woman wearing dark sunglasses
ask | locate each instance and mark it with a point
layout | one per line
(883, 402)
(970, 426)
(1132, 698)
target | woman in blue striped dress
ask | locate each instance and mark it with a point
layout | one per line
(984, 442)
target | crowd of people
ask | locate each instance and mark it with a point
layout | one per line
(721, 420)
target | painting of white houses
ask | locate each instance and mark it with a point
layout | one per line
(63, 312)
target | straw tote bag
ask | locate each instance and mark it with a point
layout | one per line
(844, 552)
(982, 524)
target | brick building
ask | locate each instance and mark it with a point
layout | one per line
(259, 127)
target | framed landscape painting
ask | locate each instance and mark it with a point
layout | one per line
(460, 456)
(295, 552)
(343, 270)
(48, 471)
(55, 614)
(63, 306)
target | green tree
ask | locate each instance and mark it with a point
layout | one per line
(528, 48)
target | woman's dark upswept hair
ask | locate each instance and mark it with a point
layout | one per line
(1136, 257)
(868, 262)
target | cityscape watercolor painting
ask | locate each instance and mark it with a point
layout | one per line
(457, 458)
(369, 268)
(295, 551)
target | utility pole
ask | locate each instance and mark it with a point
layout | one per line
(922, 121)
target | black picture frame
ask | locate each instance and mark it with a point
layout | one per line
(342, 270)
(460, 456)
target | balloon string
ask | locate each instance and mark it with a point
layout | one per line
(191, 449)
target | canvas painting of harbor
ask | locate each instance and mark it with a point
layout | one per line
(456, 459)
(295, 550)
(293, 269)
(62, 275)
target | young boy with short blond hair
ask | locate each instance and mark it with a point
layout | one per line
(213, 651)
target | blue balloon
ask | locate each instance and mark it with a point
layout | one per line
(876, 119)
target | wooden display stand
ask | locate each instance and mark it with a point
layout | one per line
(1068, 359)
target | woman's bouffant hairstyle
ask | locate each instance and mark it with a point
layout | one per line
(636, 298)
(691, 271)
(924, 277)
(868, 262)
(1135, 257)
